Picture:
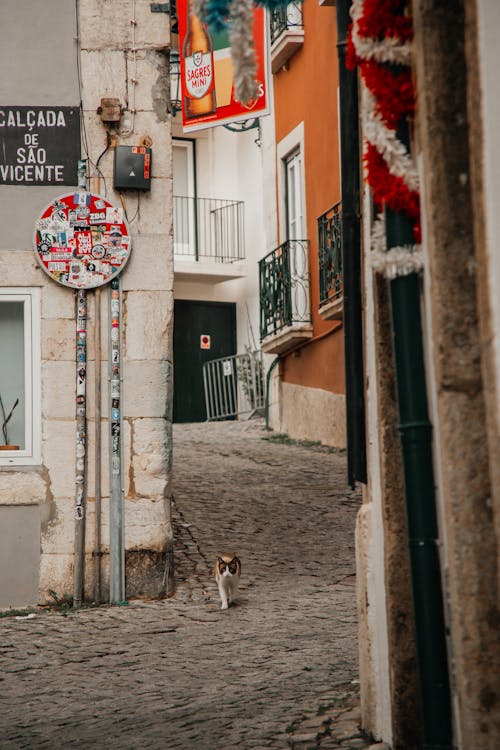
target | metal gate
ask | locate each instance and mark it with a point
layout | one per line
(234, 385)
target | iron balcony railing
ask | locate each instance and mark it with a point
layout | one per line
(209, 229)
(286, 18)
(331, 283)
(284, 287)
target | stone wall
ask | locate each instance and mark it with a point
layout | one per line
(309, 414)
(113, 52)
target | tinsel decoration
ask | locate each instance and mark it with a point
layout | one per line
(238, 16)
(398, 261)
(242, 50)
(379, 45)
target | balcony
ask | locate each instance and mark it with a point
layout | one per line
(331, 283)
(287, 33)
(208, 238)
(285, 318)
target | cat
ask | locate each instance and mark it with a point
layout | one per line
(227, 575)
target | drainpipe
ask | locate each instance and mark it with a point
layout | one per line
(416, 439)
(351, 256)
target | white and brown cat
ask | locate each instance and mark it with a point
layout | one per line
(227, 575)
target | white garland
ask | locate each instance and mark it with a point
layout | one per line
(398, 261)
(384, 139)
(388, 50)
(404, 259)
(242, 50)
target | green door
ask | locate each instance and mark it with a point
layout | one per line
(202, 331)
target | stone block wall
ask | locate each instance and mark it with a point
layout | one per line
(128, 61)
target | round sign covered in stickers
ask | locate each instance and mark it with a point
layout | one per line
(81, 240)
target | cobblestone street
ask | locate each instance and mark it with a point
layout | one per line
(276, 670)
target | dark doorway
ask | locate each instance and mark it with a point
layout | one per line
(202, 331)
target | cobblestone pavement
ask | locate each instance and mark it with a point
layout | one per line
(276, 670)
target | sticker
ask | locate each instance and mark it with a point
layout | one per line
(80, 450)
(115, 334)
(82, 199)
(115, 414)
(227, 368)
(79, 512)
(205, 341)
(114, 215)
(115, 389)
(80, 464)
(74, 233)
(115, 464)
(56, 266)
(98, 251)
(115, 356)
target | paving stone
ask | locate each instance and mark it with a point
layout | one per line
(276, 670)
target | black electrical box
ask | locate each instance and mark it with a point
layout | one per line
(132, 168)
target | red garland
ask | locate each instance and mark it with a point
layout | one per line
(394, 92)
(385, 18)
(394, 99)
(390, 190)
(351, 59)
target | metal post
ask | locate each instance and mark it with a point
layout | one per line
(81, 443)
(97, 413)
(116, 528)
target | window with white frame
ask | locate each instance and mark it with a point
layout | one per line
(293, 223)
(19, 376)
(293, 169)
(184, 196)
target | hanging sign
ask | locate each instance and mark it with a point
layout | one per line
(207, 81)
(39, 145)
(81, 240)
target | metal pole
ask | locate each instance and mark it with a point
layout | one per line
(81, 443)
(116, 528)
(97, 414)
(97, 554)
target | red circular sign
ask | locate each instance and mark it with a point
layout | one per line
(81, 240)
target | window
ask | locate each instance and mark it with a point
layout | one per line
(184, 197)
(19, 377)
(293, 169)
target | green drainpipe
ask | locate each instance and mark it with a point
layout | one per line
(416, 439)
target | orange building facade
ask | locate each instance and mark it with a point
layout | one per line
(306, 332)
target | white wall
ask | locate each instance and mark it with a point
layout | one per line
(230, 166)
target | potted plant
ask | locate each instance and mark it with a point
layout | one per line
(7, 446)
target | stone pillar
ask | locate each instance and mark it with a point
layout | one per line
(451, 298)
(127, 58)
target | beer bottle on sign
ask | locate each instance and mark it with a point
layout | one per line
(199, 79)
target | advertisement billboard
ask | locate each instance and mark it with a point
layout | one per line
(207, 85)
